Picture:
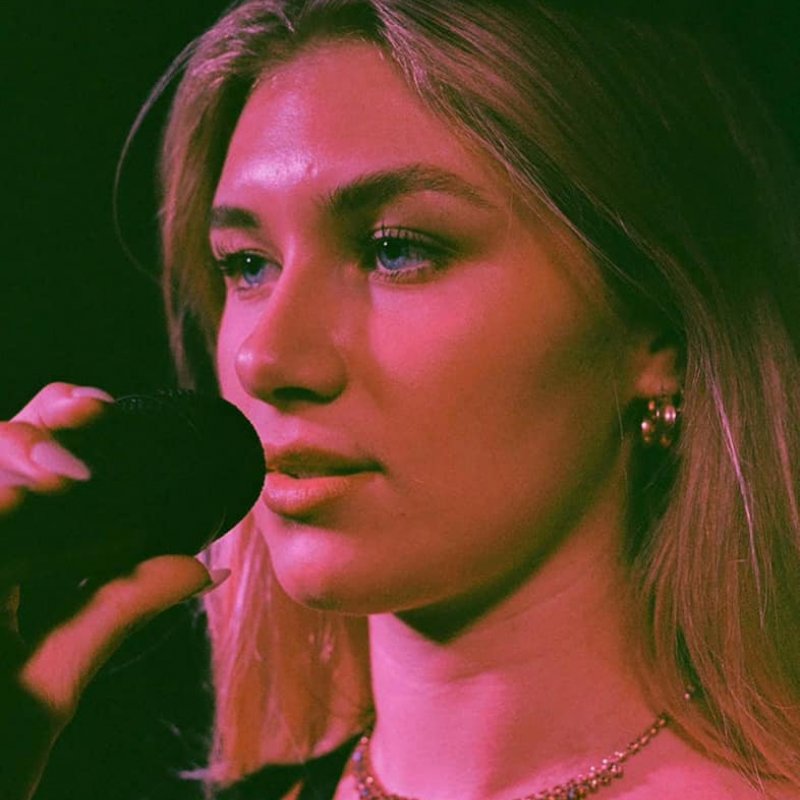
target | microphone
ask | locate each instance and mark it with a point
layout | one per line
(171, 472)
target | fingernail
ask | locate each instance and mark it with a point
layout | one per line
(93, 393)
(55, 458)
(217, 577)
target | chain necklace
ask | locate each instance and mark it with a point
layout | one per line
(370, 788)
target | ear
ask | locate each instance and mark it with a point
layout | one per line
(657, 364)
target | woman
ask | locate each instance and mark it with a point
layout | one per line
(509, 292)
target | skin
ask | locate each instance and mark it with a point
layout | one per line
(490, 393)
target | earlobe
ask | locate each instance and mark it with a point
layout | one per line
(658, 386)
(659, 366)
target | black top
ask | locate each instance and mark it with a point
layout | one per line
(319, 778)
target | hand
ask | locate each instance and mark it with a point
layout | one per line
(41, 682)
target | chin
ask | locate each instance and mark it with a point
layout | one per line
(329, 592)
(324, 571)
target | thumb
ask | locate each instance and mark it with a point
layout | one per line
(66, 660)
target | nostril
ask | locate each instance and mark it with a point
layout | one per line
(294, 394)
(282, 370)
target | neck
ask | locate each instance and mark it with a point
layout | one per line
(532, 692)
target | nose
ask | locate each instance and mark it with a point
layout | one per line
(291, 352)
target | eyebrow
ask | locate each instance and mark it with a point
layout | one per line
(232, 217)
(368, 191)
(379, 188)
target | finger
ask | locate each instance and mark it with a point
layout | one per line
(29, 457)
(66, 660)
(64, 405)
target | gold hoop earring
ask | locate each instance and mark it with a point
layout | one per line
(660, 423)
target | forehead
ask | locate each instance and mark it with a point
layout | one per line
(336, 110)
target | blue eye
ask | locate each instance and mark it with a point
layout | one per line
(401, 255)
(245, 269)
(396, 254)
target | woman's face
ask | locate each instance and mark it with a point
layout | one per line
(386, 300)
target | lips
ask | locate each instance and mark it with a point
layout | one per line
(302, 480)
(305, 461)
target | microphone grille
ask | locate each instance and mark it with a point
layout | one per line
(180, 468)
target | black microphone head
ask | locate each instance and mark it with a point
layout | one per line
(171, 472)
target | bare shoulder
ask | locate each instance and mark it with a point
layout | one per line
(347, 789)
(681, 773)
(704, 781)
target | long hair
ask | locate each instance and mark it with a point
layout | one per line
(653, 148)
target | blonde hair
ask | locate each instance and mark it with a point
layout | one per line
(651, 146)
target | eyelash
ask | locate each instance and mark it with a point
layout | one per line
(436, 255)
(233, 265)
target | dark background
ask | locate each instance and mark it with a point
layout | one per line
(73, 306)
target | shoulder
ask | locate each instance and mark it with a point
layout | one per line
(704, 781)
(681, 773)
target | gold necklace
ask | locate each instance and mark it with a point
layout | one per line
(368, 786)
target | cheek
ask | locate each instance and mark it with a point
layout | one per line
(497, 377)
(552, 430)
(509, 426)
(502, 418)
(229, 338)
